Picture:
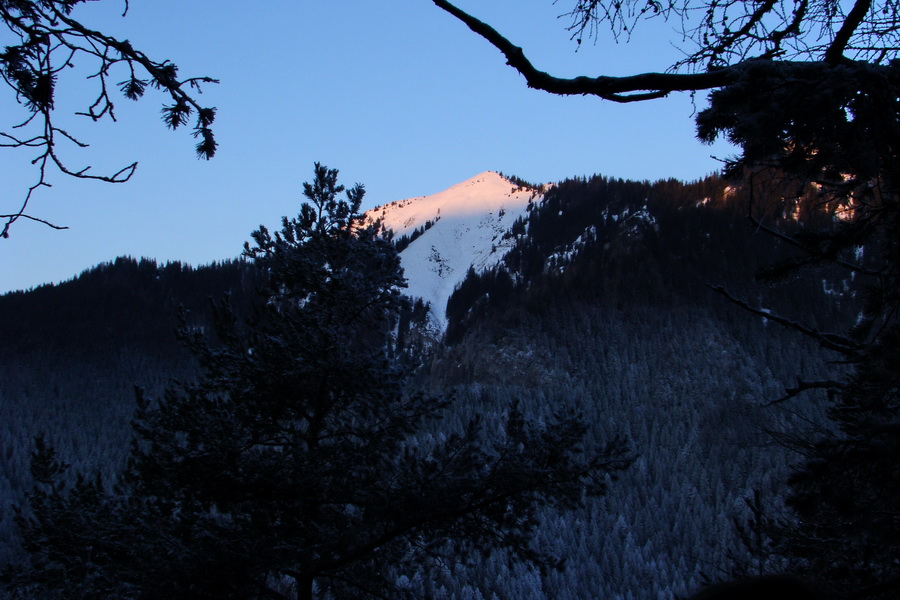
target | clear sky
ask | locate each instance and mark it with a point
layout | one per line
(396, 94)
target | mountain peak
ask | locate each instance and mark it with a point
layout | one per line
(452, 231)
(486, 191)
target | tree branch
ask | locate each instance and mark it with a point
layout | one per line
(50, 40)
(835, 52)
(803, 386)
(4, 233)
(616, 89)
(831, 341)
(810, 251)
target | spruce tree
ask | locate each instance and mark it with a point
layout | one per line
(301, 464)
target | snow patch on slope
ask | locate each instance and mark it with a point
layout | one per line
(469, 221)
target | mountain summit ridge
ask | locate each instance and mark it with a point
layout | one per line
(466, 228)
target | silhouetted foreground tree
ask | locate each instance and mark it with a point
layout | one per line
(810, 91)
(763, 587)
(299, 464)
(48, 40)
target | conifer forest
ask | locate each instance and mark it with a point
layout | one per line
(605, 308)
(587, 388)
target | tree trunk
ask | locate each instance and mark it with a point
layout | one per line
(305, 588)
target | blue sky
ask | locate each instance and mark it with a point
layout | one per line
(396, 94)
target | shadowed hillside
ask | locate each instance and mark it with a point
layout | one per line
(599, 301)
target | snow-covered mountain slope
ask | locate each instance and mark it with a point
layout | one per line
(465, 228)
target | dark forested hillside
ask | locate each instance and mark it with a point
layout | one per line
(603, 304)
(71, 355)
(663, 244)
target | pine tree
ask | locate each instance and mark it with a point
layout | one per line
(840, 151)
(299, 465)
(43, 38)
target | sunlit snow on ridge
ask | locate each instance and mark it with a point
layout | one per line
(469, 223)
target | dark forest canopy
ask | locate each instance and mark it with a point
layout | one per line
(810, 92)
(298, 463)
(625, 327)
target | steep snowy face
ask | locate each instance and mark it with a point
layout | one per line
(465, 228)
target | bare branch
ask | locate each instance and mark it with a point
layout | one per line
(835, 52)
(831, 341)
(51, 40)
(616, 89)
(4, 233)
(803, 386)
(810, 251)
